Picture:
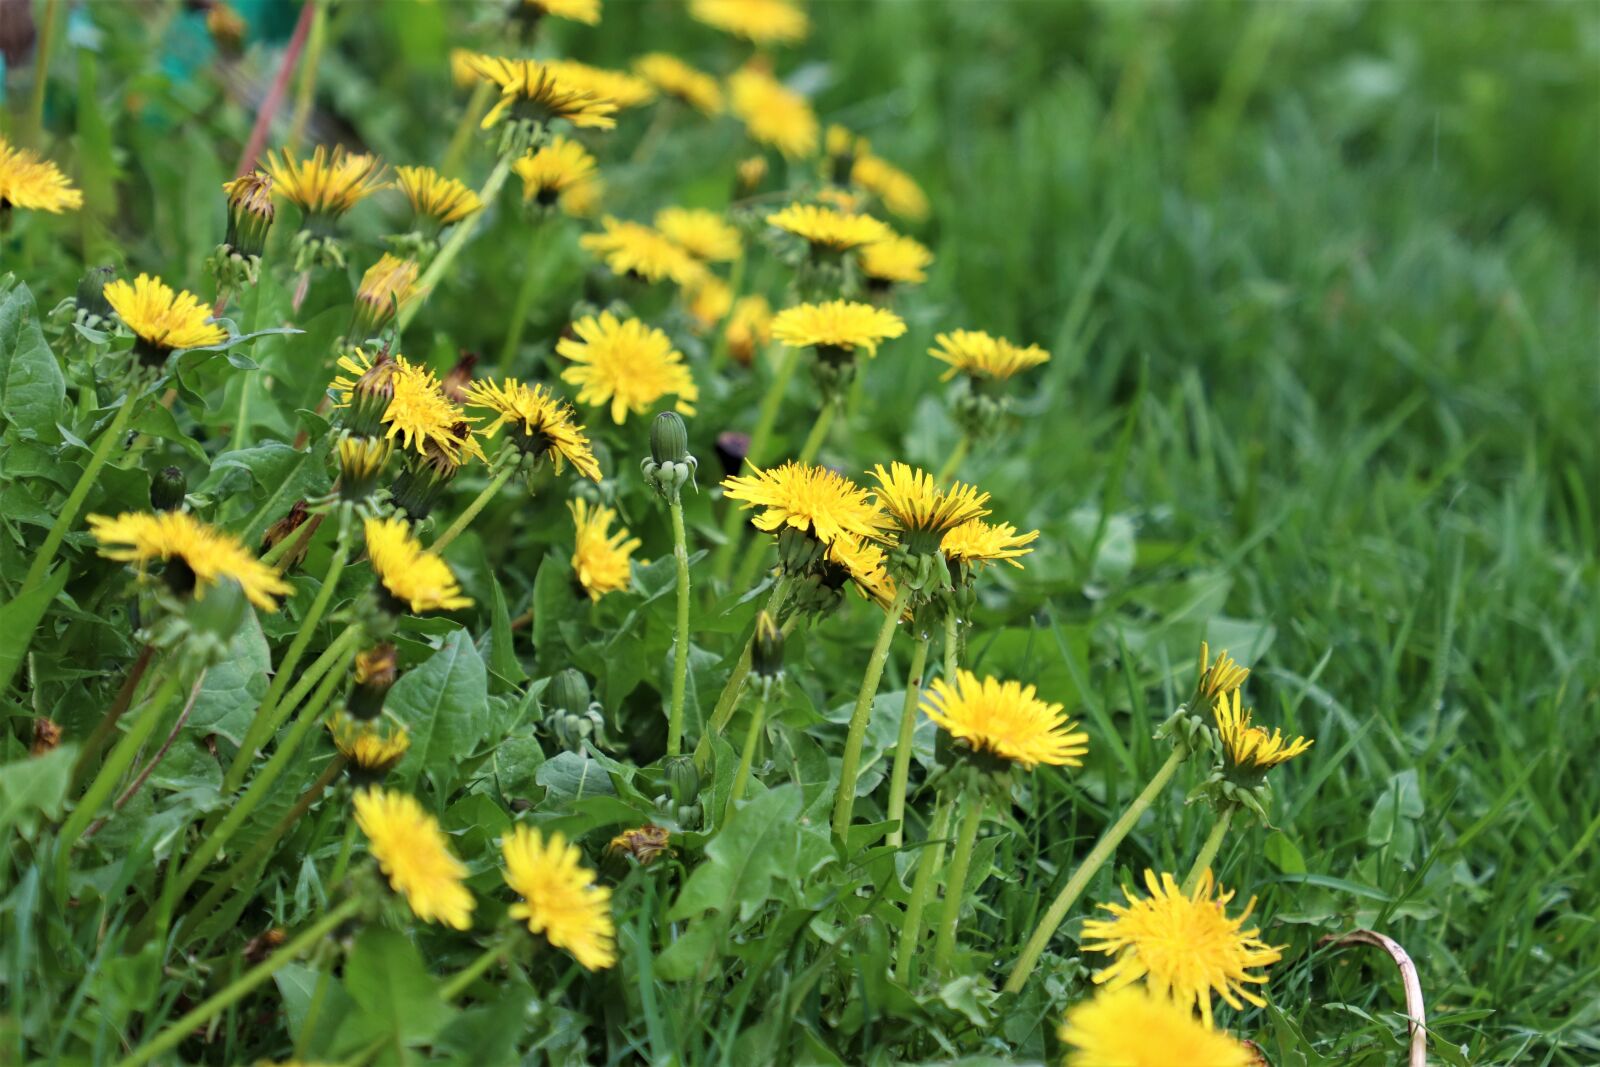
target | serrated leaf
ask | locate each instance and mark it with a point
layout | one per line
(445, 705)
(31, 384)
(394, 994)
(762, 844)
(570, 776)
(234, 686)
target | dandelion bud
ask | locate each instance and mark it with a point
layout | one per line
(569, 691)
(386, 287)
(376, 671)
(361, 463)
(573, 717)
(670, 465)
(373, 748)
(683, 780)
(766, 653)
(168, 488)
(424, 479)
(93, 307)
(250, 213)
(370, 396)
(751, 173)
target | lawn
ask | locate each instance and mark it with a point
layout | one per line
(1317, 285)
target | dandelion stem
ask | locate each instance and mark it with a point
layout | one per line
(305, 92)
(169, 1038)
(155, 761)
(41, 73)
(819, 432)
(346, 847)
(845, 800)
(953, 462)
(757, 552)
(952, 646)
(752, 738)
(482, 93)
(1208, 851)
(452, 248)
(526, 293)
(463, 978)
(719, 348)
(1087, 869)
(902, 748)
(755, 455)
(108, 722)
(927, 866)
(736, 678)
(680, 659)
(479, 502)
(955, 886)
(296, 540)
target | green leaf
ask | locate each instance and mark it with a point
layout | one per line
(763, 843)
(233, 687)
(445, 705)
(502, 648)
(1283, 854)
(283, 473)
(20, 617)
(31, 384)
(396, 998)
(570, 776)
(33, 787)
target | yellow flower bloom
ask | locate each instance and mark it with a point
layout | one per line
(898, 260)
(618, 86)
(372, 747)
(828, 229)
(1219, 678)
(582, 200)
(975, 353)
(759, 21)
(326, 184)
(977, 543)
(837, 324)
(422, 416)
(634, 247)
(163, 320)
(530, 88)
(435, 197)
(34, 184)
(818, 501)
(542, 424)
(206, 554)
(1184, 947)
(898, 191)
(386, 287)
(585, 11)
(558, 165)
(1133, 1027)
(704, 234)
(866, 567)
(599, 557)
(749, 327)
(1005, 719)
(751, 172)
(675, 78)
(1249, 750)
(919, 506)
(361, 463)
(709, 302)
(626, 364)
(559, 896)
(772, 113)
(410, 573)
(415, 855)
(463, 72)
(250, 213)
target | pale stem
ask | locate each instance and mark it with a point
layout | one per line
(479, 502)
(1208, 851)
(752, 740)
(902, 748)
(680, 660)
(845, 800)
(953, 462)
(927, 866)
(955, 885)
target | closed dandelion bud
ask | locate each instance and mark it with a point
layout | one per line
(386, 287)
(683, 780)
(766, 653)
(669, 438)
(361, 463)
(797, 550)
(423, 481)
(376, 671)
(370, 396)
(168, 488)
(250, 214)
(93, 307)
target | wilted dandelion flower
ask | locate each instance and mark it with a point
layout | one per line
(161, 319)
(634, 248)
(600, 558)
(372, 747)
(326, 185)
(828, 230)
(977, 542)
(415, 855)
(585, 11)
(673, 77)
(541, 424)
(772, 113)
(923, 512)
(1134, 1027)
(197, 556)
(1005, 719)
(896, 261)
(386, 287)
(1184, 947)
(1249, 750)
(975, 353)
(530, 91)
(410, 573)
(625, 364)
(557, 166)
(435, 199)
(758, 21)
(704, 234)
(837, 324)
(814, 500)
(559, 896)
(33, 184)
(749, 327)
(1219, 678)
(896, 189)
(643, 843)
(618, 86)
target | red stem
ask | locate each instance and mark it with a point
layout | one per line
(280, 85)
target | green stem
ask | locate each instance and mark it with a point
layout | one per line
(463, 978)
(41, 72)
(526, 292)
(297, 539)
(680, 659)
(902, 748)
(479, 502)
(346, 847)
(268, 715)
(927, 866)
(845, 800)
(955, 885)
(1208, 851)
(953, 462)
(459, 236)
(952, 647)
(173, 1035)
(771, 402)
(108, 722)
(305, 92)
(1088, 869)
(819, 432)
(482, 94)
(747, 756)
(741, 670)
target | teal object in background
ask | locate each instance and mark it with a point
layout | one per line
(188, 46)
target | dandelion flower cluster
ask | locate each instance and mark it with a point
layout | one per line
(625, 364)
(815, 500)
(559, 896)
(410, 573)
(413, 853)
(975, 353)
(772, 113)
(207, 555)
(703, 234)
(163, 320)
(634, 248)
(33, 184)
(1005, 719)
(600, 558)
(832, 230)
(837, 324)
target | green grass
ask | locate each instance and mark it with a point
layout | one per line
(1320, 286)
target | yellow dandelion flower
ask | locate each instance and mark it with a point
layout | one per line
(1219, 678)
(600, 558)
(541, 423)
(559, 165)
(327, 184)
(975, 353)
(827, 229)
(749, 327)
(584, 11)
(415, 855)
(582, 200)
(436, 198)
(977, 542)
(162, 320)
(463, 72)
(815, 500)
(410, 573)
(751, 172)
(250, 213)
(423, 417)
(33, 184)
(897, 190)
(386, 287)
(704, 234)
(838, 199)
(559, 896)
(1183, 947)
(838, 324)
(626, 364)
(673, 77)
(197, 556)
(1005, 719)
(758, 21)
(1133, 1027)
(623, 89)
(530, 89)
(865, 566)
(372, 747)
(709, 302)
(632, 247)
(919, 507)
(1249, 750)
(772, 113)
(898, 260)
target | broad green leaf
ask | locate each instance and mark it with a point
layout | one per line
(763, 843)
(279, 474)
(570, 776)
(445, 705)
(502, 648)
(395, 997)
(20, 617)
(234, 686)
(31, 384)
(34, 787)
